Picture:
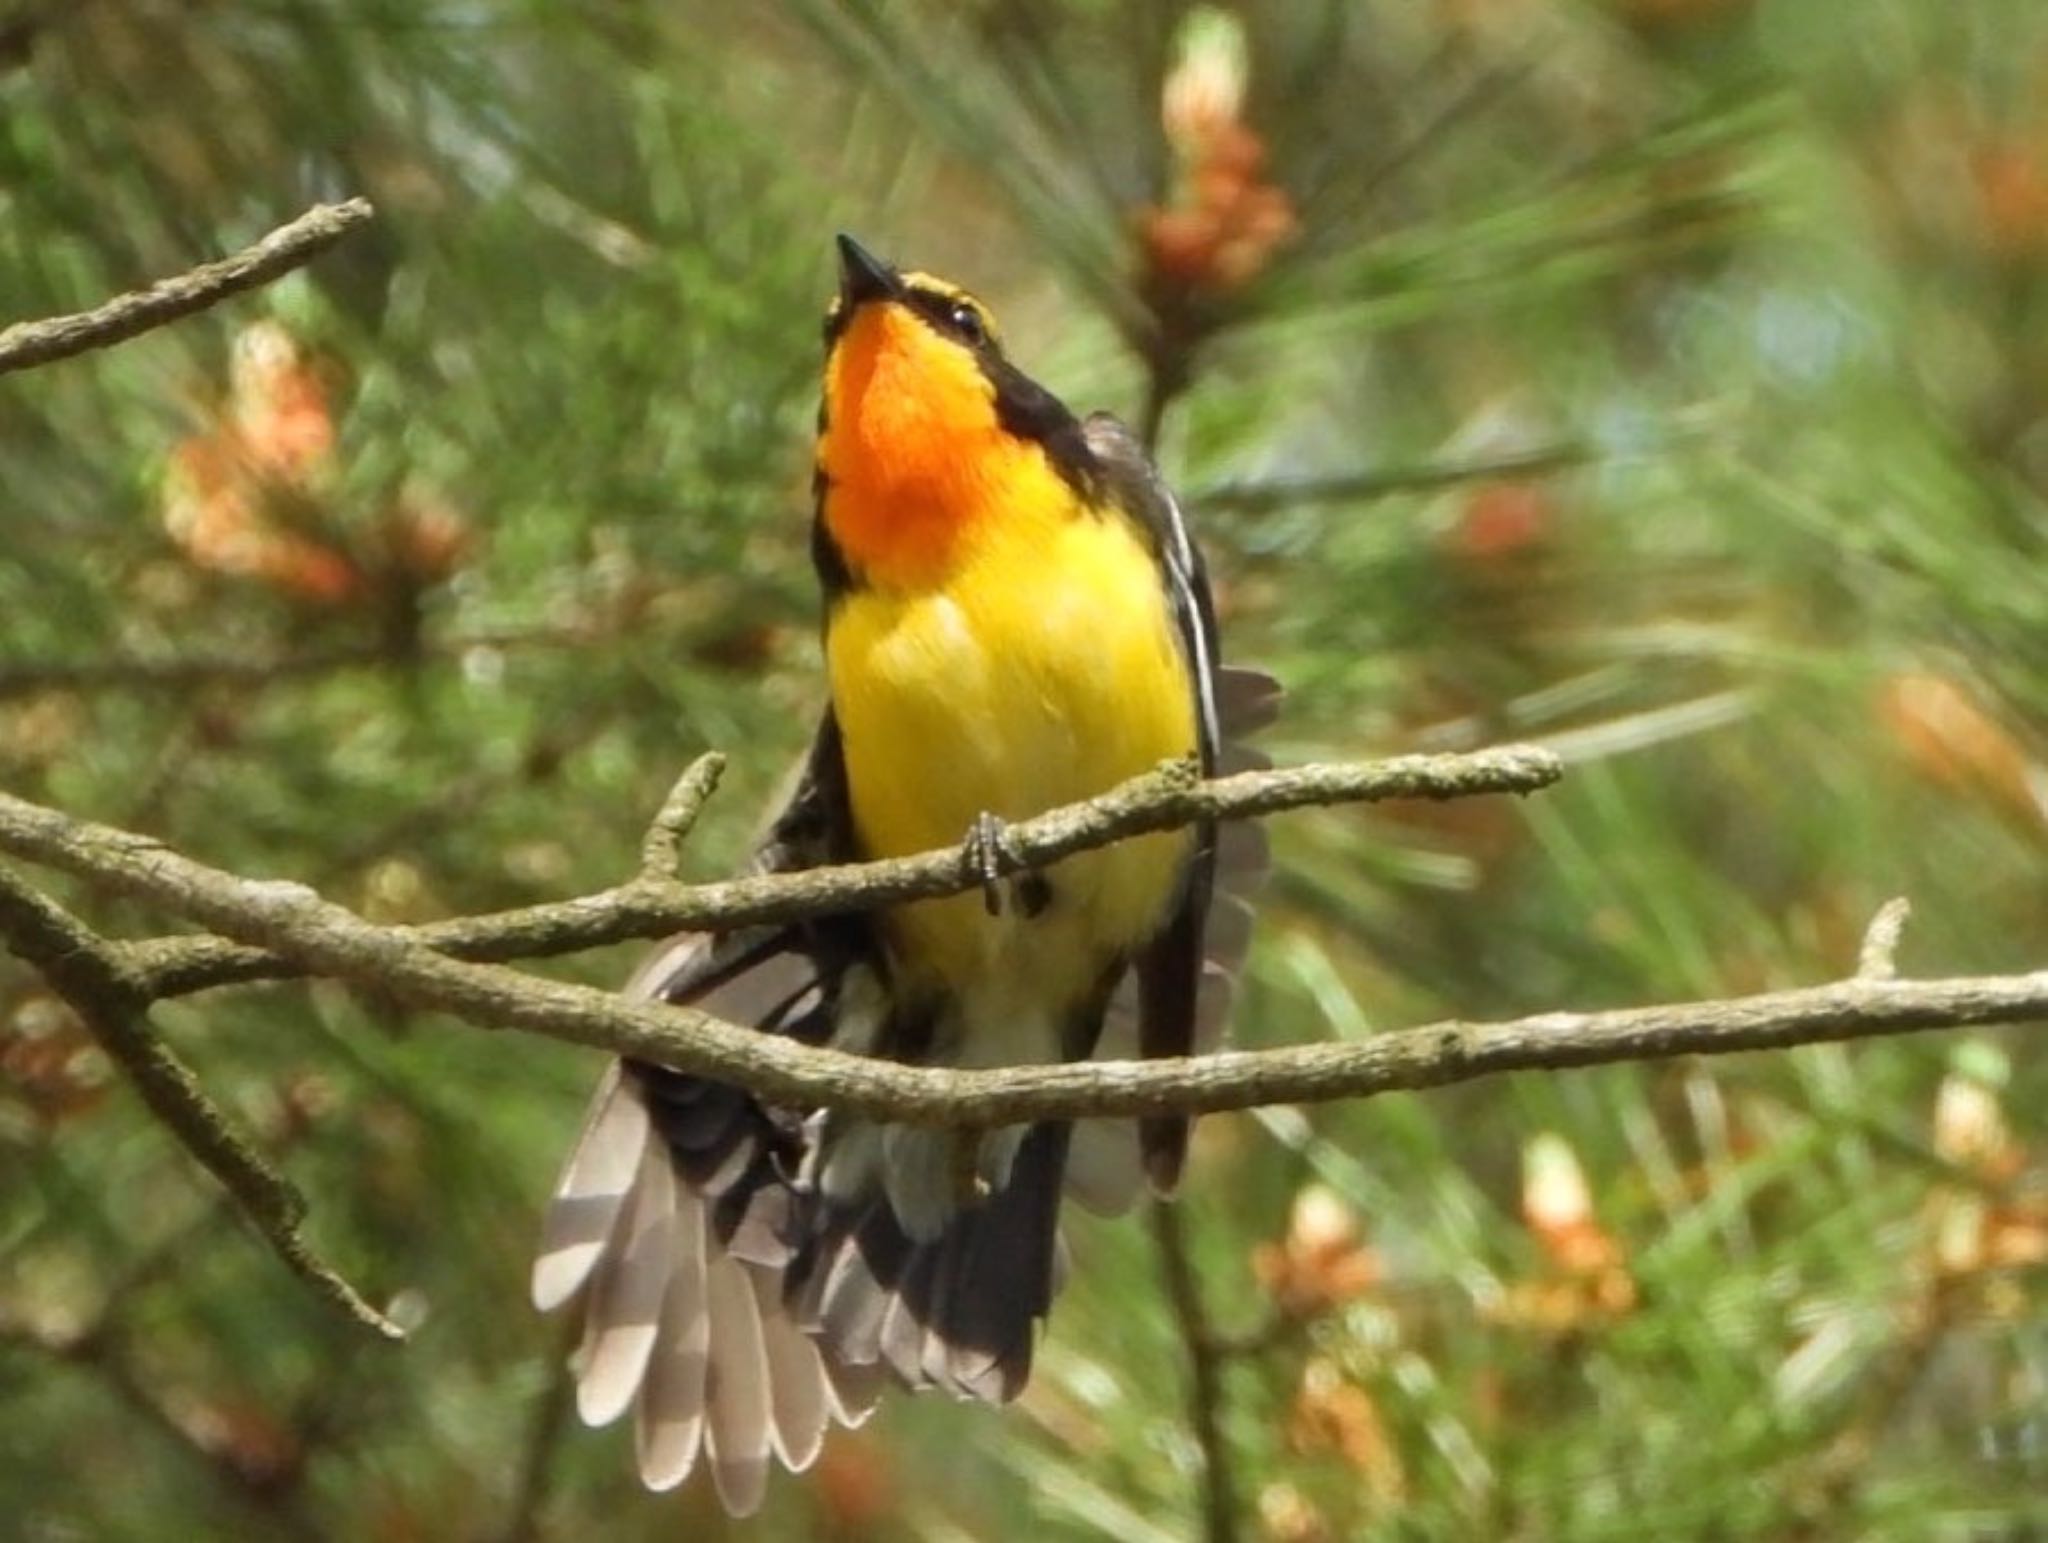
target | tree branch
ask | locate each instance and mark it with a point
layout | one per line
(654, 906)
(27, 344)
(1355, 487)
(320, 937)
(79, 967)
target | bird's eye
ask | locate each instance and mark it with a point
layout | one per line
(966, 320)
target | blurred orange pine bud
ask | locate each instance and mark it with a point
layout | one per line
(1333, 1413)
(1321, 1263)
(1970, 1128)
(855, 1484)
(252, 496)
(1952, 740)
(2011, 184)
(1500, 519)
(1204, 90)
(1557, 1204)
(50, 1060)
(1286, 1515)
(272, 451)
(1226, 220)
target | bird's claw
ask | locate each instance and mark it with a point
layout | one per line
(989, 856)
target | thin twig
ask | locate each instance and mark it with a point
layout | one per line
(661, 850)
(78, 967)
(1205, 1374)
(327, 939)
(30, 343)
(1165, 381)
(642, 908)
(1356, 487)
(1878, 958)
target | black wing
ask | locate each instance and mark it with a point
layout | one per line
(1169, 970)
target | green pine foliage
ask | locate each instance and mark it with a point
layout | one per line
(1662, 380)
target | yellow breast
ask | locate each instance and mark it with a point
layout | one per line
(1044, 669)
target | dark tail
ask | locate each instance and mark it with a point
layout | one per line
(959, 1311)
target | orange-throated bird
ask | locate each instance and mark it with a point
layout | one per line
(1015, 618)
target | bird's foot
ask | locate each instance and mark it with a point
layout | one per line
(990, 856)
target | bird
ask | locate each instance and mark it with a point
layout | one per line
(1014, 618)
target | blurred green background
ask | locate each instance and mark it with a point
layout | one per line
(1662, 380)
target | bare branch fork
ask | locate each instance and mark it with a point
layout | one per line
(292, 924)
(87, 976)
(653, 905)
(268, 930)
(272, 928)
(282, 928)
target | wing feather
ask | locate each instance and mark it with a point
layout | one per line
(1174, 987)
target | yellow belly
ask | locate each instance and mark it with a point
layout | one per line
(1044, 670)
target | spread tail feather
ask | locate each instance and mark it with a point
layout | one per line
(672, 1218)
(958, 1310)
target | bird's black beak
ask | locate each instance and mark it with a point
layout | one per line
(863, 276)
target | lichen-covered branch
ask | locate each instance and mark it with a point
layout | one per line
(30, 343)
(653, 905)
(320, 937)
(81, 970)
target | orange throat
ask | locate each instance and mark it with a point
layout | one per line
(913, 457)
